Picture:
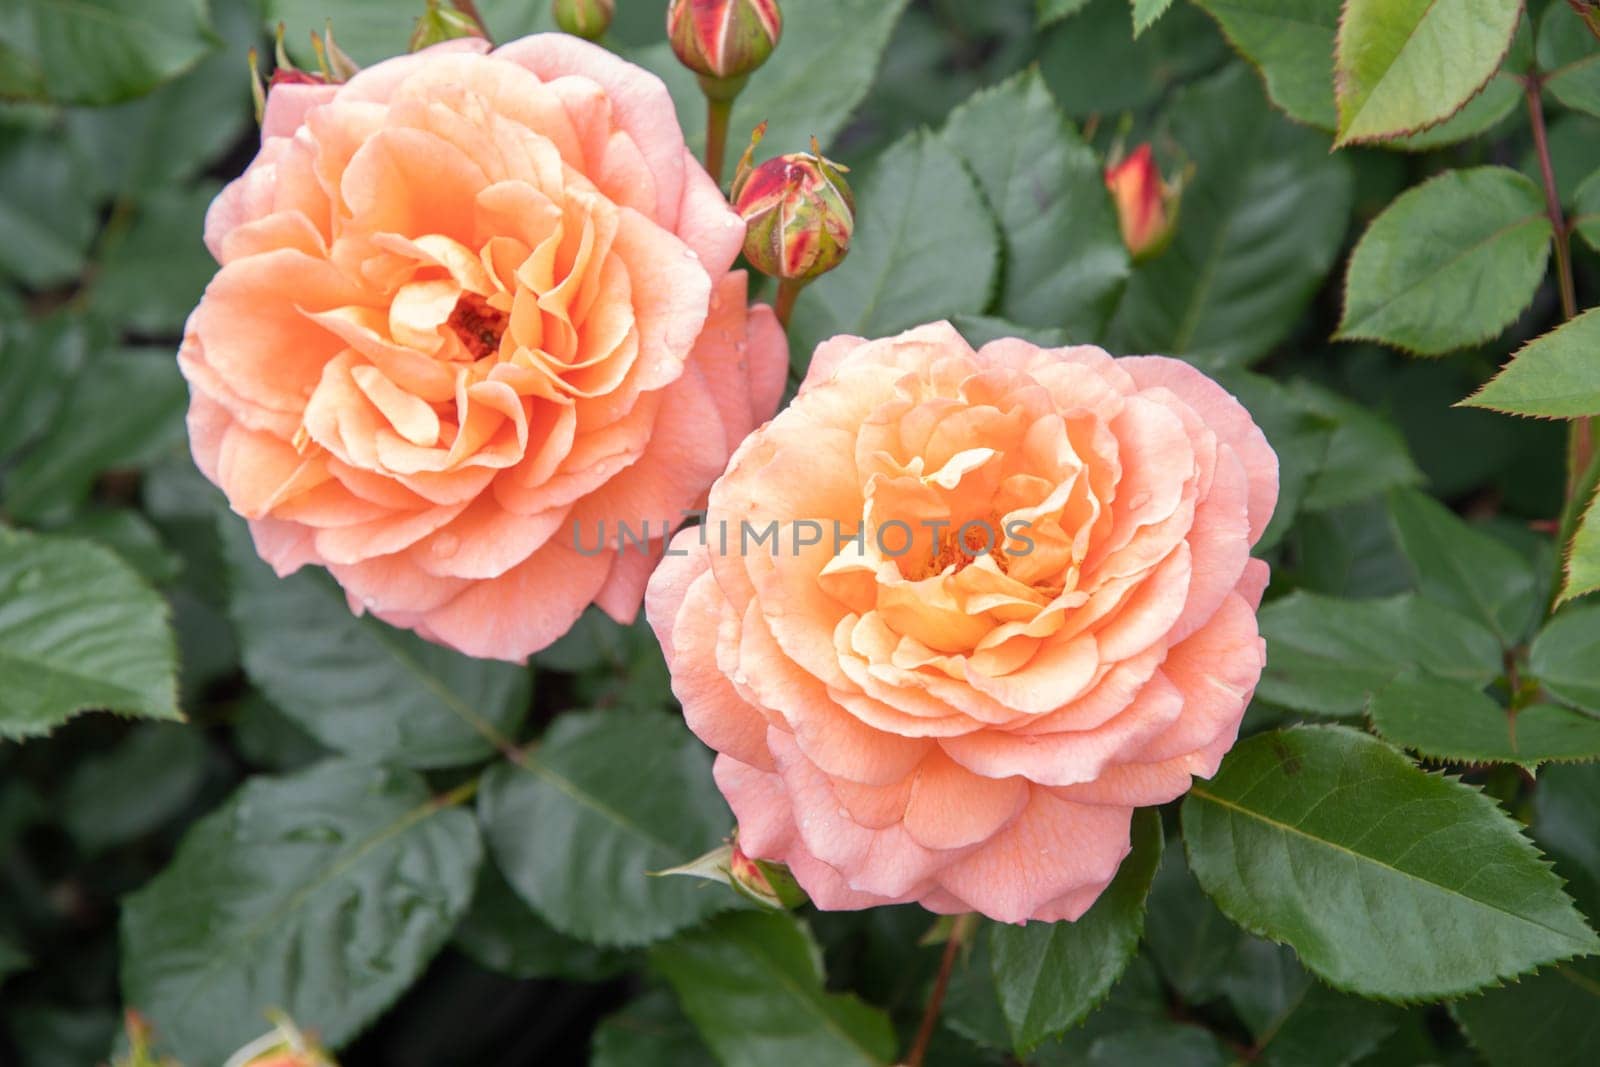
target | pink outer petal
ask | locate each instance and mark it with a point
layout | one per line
(624, 590)
(1227, 418)
(640, 104)
(287, 105)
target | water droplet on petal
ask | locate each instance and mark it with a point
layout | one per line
(689, 253)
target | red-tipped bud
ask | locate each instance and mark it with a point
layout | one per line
(1147, 204)
(723, 39)
(764, 882)
(440, 23)
(798, 213)
(589, 19)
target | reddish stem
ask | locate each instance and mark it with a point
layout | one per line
(930, 1015)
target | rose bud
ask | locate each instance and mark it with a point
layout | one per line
(798, 213)
(440, 23)
(766, 883)
(723, 39)
(1147, 204)
(588, 19)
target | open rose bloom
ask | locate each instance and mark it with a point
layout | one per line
(467, 302)
(922, 719)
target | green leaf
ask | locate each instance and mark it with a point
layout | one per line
(814, 81)
(1160, 1044)
(1458, 722)
(359, 685)
(125, 410)
(1193, 943)
(753, 984)
(1326, 656)
(916, 208)
(504, 935)
(152, 277)
(1261, 226)
(1483, 112)
(1350, 552)
(1374, 870)
(979, 330)
(130, 535)
(1145, 13)
(162, 140)
(1464, 568)
(606, 799)
(79, 631)
(1582, 573)
(1291, 43)
(1051, 975)
(651, 1030)
(1586, 219)
(1064, 260)
(1566, 809)
(1565, 657)
(1450, 263)
(1095, 67)
(1551, 1019)
(1295, 1020)
(38, 362)
(1051, 11)
(323, 895)
(98, 51)
(1403, 65)
(1364, 454)
(47, 215)
(132, 790)
(1569, 57)
(12, 959)
(1553, 376)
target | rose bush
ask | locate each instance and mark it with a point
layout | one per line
(467, 304)
(966, 728)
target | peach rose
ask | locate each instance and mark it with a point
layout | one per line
(914, 717)
(471, 305)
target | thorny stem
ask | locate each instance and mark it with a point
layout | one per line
(930, 1015)
(1580, 441)
(788, 291)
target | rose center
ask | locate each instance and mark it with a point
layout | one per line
(479, 326)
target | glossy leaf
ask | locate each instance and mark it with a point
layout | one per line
(1051, 975)
(651, 1030)
(1064, 260)
(1565, 657)
(79, 631)
(606, 799)
(146, 781)
(1374, 870)
(39, 360)
(124, 410)
(501, 933)
(1566, 809)
(1295, 1020)
(1464, 568)
(1145, 13)
(1161, 1044)
(1554, 376)
(1582, 573)
(47, 216)
(322, 894)
(152, 276)
(1094, 66)
(753, 984)
(1403, 65)
(1363, 455)
(1586, 219)
(359, 685)
(1291, 43)
(1551, 1019)
(1569, 58)
(1261, 225)
(1191, 941)
(1458, 722)
(98, 51)
(897, 274)
(1451, 262)
(1326, 656)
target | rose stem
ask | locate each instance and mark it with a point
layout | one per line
(930, 1015)
(717, 112)
(1580, 442)
(788, 290)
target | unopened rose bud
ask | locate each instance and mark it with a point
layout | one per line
(723, 40)
(588, 19)
(798, 213)
(440, 23)
(1147, 205)
(764, 882)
